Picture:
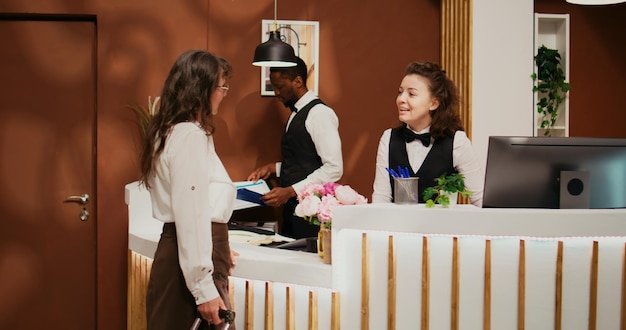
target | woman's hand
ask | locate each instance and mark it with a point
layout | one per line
(210, 310)
(233, 262)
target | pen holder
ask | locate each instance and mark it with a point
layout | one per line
(405, 190)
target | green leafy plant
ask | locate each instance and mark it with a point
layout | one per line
(446, 184)
(551, 86)
(145, 114)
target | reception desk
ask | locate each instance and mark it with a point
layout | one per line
(415, 267)
(254, 262)
(467, 267)
(298, 272)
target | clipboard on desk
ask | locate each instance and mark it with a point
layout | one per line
(249, 193)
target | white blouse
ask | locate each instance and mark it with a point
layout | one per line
(463, 157)
(192, 189)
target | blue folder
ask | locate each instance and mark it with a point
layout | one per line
(250, 196)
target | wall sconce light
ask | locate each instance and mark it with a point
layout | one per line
(274, 52)
(595, 2)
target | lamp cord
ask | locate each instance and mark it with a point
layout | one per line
(275, 22)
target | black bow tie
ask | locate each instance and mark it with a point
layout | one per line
(411, 136)
(293, 108)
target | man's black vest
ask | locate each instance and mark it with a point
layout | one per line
(437, 162)
(298, 150)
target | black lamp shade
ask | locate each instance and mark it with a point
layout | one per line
(274, 52)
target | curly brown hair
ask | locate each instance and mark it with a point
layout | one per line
(445, 119)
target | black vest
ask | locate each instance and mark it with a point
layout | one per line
(437, 162)
(298, 150)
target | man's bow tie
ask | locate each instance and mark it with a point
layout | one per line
(410, 136)
(293, 108)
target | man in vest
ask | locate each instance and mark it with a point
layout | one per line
(310, 147)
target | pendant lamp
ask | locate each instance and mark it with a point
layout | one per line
(595, 2)
(274, 52)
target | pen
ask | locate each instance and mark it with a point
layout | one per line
(404, 173)
(392, 172)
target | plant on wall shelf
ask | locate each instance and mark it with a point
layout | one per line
(551, 86)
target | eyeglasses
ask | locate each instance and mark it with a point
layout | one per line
(224, 88)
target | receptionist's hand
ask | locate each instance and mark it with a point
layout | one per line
(278, 196)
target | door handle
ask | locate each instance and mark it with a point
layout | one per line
(82, 199)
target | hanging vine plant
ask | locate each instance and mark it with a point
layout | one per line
(551, 86)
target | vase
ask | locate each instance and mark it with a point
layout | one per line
(324, 245)
(454, 197)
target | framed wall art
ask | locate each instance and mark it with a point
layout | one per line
(303, 36)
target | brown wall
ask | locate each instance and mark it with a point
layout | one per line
(364, 49)
(597, 67)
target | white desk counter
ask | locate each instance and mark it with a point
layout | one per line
(476, 260)
(471, 220)
(254, 262)
(459, 243)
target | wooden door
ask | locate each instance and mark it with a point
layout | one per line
(47, 153)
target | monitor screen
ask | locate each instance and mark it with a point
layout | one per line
(555, 172)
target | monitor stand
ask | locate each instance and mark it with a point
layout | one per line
(575, 190)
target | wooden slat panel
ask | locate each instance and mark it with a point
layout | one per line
(335, 316)
(559, 287)
(139, 268)
(291, 308)
(249, 306)
(487, 287)
(456, 50)
(365, 283)
(454, 306)
(593, 291)
(521, 287)
(425, 284)
(269, 306)
(391, 286)
(313, 324)
(623, 302)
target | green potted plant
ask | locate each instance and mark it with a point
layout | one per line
(551, 86)
(446, 186)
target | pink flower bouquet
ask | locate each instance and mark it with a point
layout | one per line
(316, 199)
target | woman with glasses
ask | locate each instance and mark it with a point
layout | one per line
(430, 141)
(192, 194)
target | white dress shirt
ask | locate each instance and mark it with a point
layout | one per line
(463, 157)
(192, 189)
(323, 126)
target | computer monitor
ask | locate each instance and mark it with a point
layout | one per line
(555, 172)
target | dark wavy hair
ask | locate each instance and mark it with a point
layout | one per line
(187, 90)
(445, 119)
